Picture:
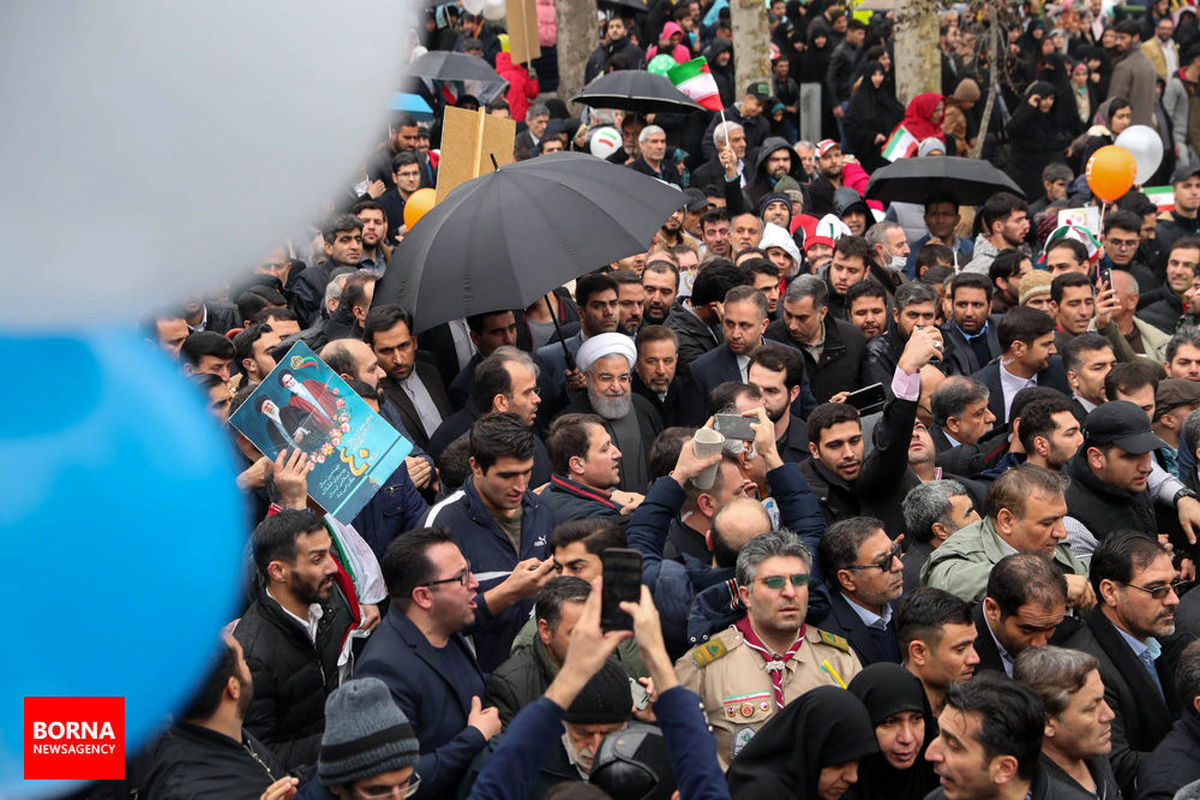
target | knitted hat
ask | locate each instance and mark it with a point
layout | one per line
(967, 91)
(365, 734)
(930, 146)
(605, 699)
(1033, 283)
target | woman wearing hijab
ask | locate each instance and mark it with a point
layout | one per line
(1036, 139)
(810, 749)
(896, 704)
(814, 64)
(874, 112)
(1113, 116)
(923, 117)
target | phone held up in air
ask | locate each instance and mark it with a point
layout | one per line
(734, 426)
(868, 399)
(622, 582)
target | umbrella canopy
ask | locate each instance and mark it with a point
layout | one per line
(413, 104)
(506, 238)
(444, 66)
(911, 180)
(636, 5)
(636, 90)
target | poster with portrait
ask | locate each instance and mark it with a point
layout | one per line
(305, 404)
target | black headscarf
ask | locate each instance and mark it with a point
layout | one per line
(824, 727)
(886, 689)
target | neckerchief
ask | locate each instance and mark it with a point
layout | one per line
(775, 664)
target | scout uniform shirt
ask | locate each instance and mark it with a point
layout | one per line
(736, 689)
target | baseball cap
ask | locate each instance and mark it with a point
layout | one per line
(825, 145)
(1175, 392)
(760, 90)
(1123, 424)
(1185, 171)
(696, 201)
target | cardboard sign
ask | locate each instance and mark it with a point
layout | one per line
(523, 41)
(304, 404)
(470, 139)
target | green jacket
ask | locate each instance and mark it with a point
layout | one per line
(627, 651)
(962, 564)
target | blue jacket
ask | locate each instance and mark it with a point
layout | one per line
(399, 654)
(397, 507)
(487, 547)
(512, 770)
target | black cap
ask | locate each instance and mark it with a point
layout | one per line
(634, 763)
(696, 199)
(1129, 26)
(1185, 171)
(1123, 424)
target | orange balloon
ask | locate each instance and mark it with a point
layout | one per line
(419, 203)
(1110, 172)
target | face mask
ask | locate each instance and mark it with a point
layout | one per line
(897, 264)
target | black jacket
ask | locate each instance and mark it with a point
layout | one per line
(1102, 774)
(695, 337)
(879, 487)
(985, 645)
(883, 353)
(1104, 508)
(1164, 313)
(870, 646)
(961, 358)
(1174, 227)
(520, 680)
(432, 379)
(840, 367)
(1044, 787)
(1143, 716)
(1175, 762)
(292, 676)
(570, 500)
(192, 761)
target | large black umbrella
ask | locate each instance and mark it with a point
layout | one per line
(504, 239)
(636, 5)
(441, 65)
(911, 180)
(636, 90)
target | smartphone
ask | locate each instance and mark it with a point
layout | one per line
(1106, 276)
(622, 582)
(734, 426)
(868, 399)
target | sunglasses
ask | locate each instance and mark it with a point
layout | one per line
(884, 564)
(777, 582)
(1158, 592)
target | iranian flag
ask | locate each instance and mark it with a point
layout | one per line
(901, 144)
(1163, 197)
(694, 79)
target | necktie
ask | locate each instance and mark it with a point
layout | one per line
(775, 665)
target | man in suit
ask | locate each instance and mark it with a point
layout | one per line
(971, 340)
(865, 579)
(420, 653)
(489, 330)
(744, 323)
(1087, 359)
(777, 371)
(413, 386)
(596, 298)
(653, 161)
(1135, 587)
(1025, 603)
(656, 379)
(1027, 359)
(961, 414)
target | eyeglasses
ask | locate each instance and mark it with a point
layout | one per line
(381, 792)
(463, 578)
(777, 582)
(1158, 592)
(884, 564)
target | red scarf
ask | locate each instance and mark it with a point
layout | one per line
(774, 663)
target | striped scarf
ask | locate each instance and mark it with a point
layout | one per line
(775, 664)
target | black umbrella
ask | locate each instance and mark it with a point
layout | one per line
(504, 239)
(636, 5)
(441, 65)
(911, 180)
(636, 90)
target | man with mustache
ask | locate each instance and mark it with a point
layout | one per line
(866, 578)
(294, 635)
(1078, 734)
(1135, 584)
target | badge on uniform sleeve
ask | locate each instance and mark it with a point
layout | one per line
(741, 739)
(710, 651)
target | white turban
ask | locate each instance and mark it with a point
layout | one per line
(605, 344)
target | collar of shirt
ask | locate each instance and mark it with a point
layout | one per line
(743, 363)
(315, 612)
(1138, 647)
(201, 325)
(870, 618)
(1004, 654)
(953, 442)
(1088, 405)
(970, 337)
(1011, 384)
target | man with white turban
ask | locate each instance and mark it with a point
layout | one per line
(606, 361)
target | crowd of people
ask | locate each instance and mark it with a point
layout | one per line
(949, 553)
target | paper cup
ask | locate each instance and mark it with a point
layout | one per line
(707, 442)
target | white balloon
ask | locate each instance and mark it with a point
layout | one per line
(153, 150)
(1144, 143)
(494, 9)
(473, 6)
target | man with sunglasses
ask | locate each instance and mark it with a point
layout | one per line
(420, 653)
(1135, 583)
(866, 577)
(749, 671)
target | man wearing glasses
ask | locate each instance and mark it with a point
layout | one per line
(866, 577)
(1135, 582)
(749, 671)
(420, 653)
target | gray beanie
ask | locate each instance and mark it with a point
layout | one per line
(365, 734)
